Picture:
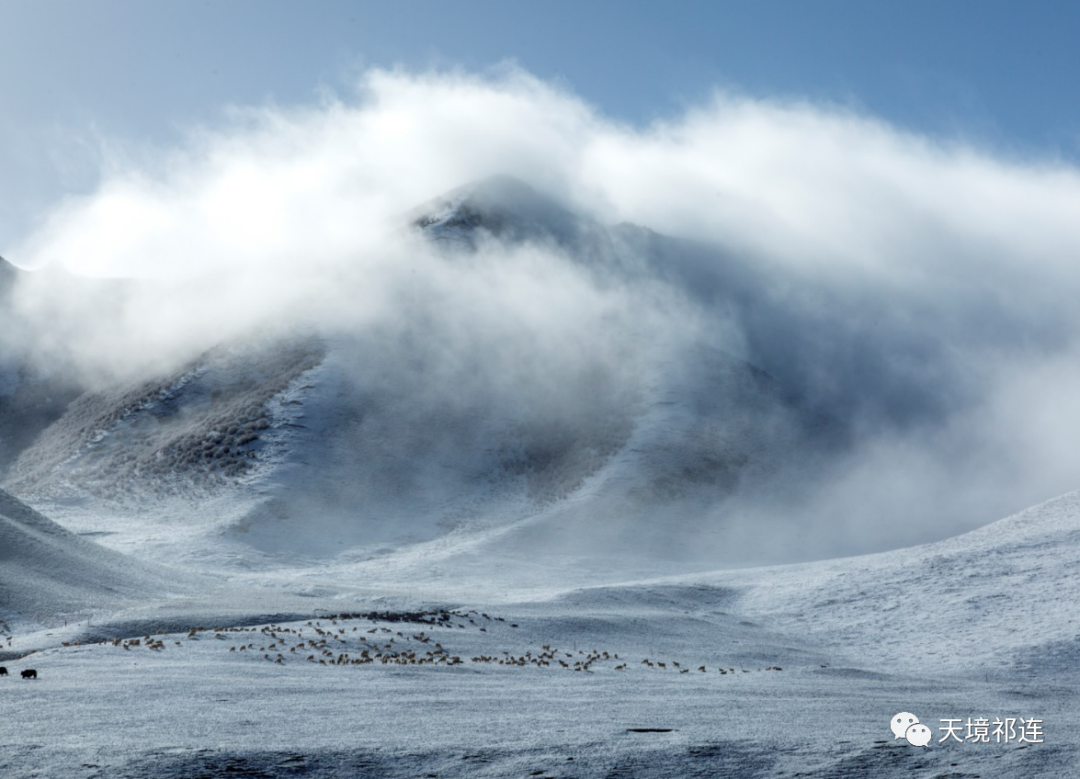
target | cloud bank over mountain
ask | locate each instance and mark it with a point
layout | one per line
(921, 291)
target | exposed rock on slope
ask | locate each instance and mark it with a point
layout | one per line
(186, 433)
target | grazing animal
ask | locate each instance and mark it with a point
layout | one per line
(3, 671)
(29, 673)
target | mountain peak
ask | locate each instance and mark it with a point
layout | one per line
(502, 206)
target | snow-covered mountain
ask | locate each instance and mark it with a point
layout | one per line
(318, 443)
(515, 552)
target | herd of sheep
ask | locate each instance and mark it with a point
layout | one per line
(338, 643)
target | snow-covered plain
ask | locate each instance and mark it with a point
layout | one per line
(290, 557)
(977, 626)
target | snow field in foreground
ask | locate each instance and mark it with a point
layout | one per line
(199, 706)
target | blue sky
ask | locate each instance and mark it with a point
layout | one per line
(75, 76)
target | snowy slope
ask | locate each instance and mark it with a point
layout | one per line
(1001, 595)
(297, 452)
(47, 572)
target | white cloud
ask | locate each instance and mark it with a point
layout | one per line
(919, 283)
